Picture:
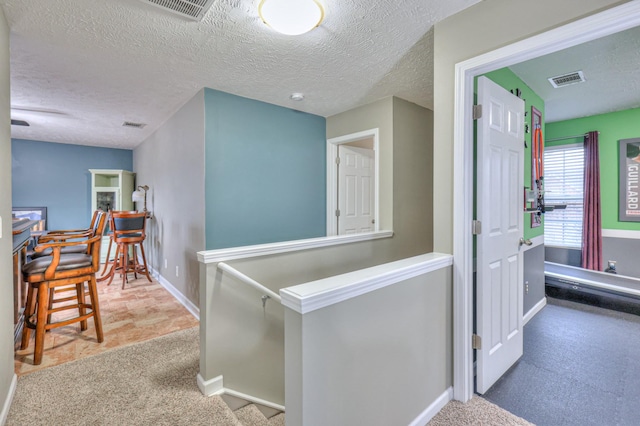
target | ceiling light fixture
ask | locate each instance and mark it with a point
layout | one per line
(291, 17)
(297, 96)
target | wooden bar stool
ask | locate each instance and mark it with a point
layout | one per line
(128, 230)
(70, 235)
(110, 264)
(45, 274)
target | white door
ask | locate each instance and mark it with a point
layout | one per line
(500, 200)
(355, 190)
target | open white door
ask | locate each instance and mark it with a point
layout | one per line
(356, 195)
(500, 200)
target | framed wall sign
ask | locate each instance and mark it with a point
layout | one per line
(629, 185)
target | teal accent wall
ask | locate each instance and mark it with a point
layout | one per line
(56, 176)
(612, 127)
(508, 80)
(265, 172)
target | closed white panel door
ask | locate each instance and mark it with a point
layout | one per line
(500, 185)
(356, 176)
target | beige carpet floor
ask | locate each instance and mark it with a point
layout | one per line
(476, 412)
(149, 383)
(154, 383)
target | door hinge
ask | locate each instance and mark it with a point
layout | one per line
(338, 160)
(337, 213)
(477, 112)
(476, 227)
(476, 342)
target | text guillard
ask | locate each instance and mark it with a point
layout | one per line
(632, 189)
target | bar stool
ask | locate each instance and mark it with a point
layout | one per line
(69, 235)
(110, 264)
(47, 273)
(128, 230)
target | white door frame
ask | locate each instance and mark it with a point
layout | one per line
(332, 176)
(611, 21)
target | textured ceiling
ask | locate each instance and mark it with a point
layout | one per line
(611, 69)
(80, 68)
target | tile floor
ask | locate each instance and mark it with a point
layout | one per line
(141, 311)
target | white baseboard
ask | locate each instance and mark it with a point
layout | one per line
(210, 387)
(533, 311)
(620, 233)
(254, 399)
(8, 400)
(191, 307)
(433, 409)
(215, 386)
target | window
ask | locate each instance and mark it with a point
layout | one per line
(563, 184)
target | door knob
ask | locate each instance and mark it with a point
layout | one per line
(525, 242)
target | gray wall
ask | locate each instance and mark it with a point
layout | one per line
(534, 276)
(171, 162)
(406, 166)
(6, 265)
(564, 256)
(375, 115)
(481, 28)
(625, 252)
(412, 236)
(413, 174)
(379, 359)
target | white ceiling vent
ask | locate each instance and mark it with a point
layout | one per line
(132, 124)
(567, 79)
(194, 9)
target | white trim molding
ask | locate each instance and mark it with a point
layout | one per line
(332, 176)
(211, 387)
(8, 400)
(188, 304)
(223, 255)
(215, 386)
(308, 297)
(253, 399)
(433, 409)
(533, 311)
(621, 233)
(536, 241)
(598, 25)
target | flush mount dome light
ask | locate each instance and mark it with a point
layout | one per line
(291, 17)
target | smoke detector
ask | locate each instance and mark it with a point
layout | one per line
(567, 79)
(193, 9)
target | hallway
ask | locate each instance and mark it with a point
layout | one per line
(580, 367)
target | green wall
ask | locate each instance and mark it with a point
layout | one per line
(507, 79)
(612, 127)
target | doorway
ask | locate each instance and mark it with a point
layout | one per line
(599, 25)
(352, 183)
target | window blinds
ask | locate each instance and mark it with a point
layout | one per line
(563, 184)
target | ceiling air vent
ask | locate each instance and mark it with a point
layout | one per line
(132, 124)
(567, 79)
(194, 9)
(19, 123)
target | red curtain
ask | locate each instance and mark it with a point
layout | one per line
(591, 222)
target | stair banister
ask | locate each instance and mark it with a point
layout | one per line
(245, 279)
